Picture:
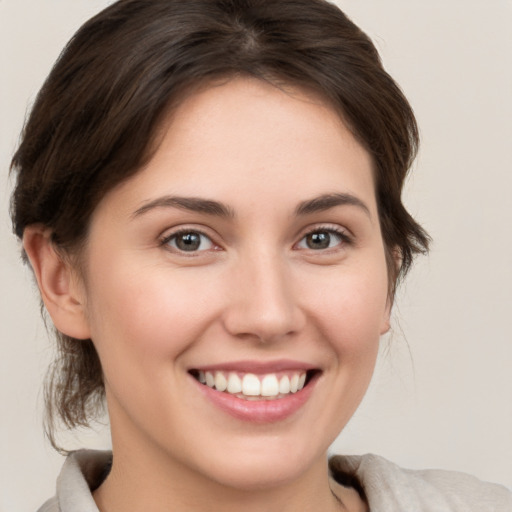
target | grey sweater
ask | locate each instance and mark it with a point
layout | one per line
(387, 487)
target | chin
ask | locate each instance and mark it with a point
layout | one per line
(264, 473)
(268, 464)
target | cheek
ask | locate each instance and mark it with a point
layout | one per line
(348, 311)
(147, 312)
(351, 308)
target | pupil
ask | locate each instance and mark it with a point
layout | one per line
(189, 241)
(320, 240)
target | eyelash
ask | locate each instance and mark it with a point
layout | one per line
(342, 234)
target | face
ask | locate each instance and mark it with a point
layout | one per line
(247, 254)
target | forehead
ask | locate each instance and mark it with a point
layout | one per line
(248, 136)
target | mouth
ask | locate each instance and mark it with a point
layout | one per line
(256, 386)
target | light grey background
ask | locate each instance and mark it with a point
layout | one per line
(442, 393)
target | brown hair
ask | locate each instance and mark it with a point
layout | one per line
(94, 123)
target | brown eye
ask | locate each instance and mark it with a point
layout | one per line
(189, 241)
(322, 239)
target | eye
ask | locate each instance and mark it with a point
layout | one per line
(321, 239)
(189, 241)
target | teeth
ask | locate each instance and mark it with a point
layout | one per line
(251, 385)
(270, 386)
(294, 383)
(284, 385)
(254, 387)
(234, 384)
(221, 382)
(210, 379)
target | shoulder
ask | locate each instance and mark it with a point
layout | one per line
(82, 472)
(390, 488)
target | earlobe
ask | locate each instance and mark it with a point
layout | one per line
(386, 325)
(386, 317)
(60, 290)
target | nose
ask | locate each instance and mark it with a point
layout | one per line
(262, 303)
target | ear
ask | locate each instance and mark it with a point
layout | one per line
(386, 322)
(394, 263)
(60, 288)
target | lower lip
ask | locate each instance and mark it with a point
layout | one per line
(258, 411)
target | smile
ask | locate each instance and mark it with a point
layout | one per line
(251, 386)
(258, 392)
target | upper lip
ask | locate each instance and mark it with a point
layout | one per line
(248, 366)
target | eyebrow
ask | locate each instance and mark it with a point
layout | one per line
(215, 208)
(328, 201)
(193, 204)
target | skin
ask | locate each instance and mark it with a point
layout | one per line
(254, 291)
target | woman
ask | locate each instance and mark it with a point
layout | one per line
(209, 196)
